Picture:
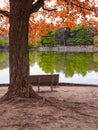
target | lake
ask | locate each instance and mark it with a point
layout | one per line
(72, 67)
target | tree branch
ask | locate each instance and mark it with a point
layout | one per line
(5, 13)
(48, 9)
(80, 6)
(37, 6)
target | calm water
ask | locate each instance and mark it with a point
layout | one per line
(72, 67)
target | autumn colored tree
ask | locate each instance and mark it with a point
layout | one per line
(21, 13)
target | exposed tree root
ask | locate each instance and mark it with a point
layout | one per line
(11, 95)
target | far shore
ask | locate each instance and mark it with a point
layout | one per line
(78, 48)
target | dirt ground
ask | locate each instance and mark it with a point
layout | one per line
(67, 108)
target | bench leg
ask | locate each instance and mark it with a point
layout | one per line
(52, 80)
(39, 84)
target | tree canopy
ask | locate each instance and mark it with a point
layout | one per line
(49, 14)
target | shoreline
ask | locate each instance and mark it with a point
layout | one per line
(78, 48)
(61, 84)
(81, 48)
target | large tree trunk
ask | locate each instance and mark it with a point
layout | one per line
(18, 51)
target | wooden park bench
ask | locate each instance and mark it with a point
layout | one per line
(44, 80)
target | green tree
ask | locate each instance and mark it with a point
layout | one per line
(48, 39)
(80, 36)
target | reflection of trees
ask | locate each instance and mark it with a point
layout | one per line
(4, 62)
(34, 56)
(68, 63)
(94, 66)
(95, 57)
(48, 61)
(77, 63)
(60, 62)
(95, 61)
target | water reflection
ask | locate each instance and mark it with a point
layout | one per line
(67, 63)
(72, 67)
(4, 56)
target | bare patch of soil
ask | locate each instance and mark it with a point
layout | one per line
(67, 108)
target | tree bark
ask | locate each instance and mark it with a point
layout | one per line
(18, 51)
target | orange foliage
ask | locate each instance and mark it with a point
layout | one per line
(66, 13)
(4, 22)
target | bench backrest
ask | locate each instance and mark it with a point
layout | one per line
(44, 79)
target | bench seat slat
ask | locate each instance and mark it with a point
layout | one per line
(43, 80)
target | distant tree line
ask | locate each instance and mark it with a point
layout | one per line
(80, 35)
